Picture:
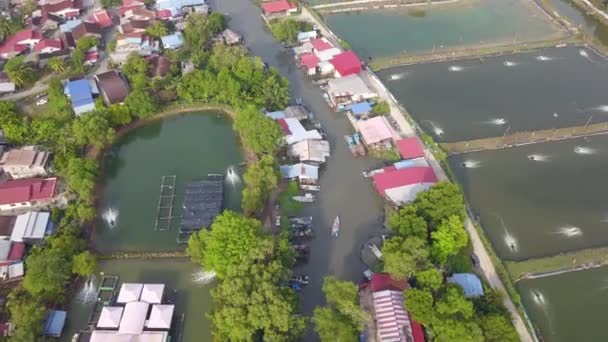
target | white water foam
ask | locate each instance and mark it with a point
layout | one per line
(395, 77)
(88, 291)
(584, 150)
(538, 298)
(569, 231)
(232, 176)
(110, 216)
(585, 54)
(603, 108)
(510, 63)
(538, 157)
(509, 239)
(544, 58)
(471, 164)
(498, 121)
(436, 129)
(203, 277)
(455, 68)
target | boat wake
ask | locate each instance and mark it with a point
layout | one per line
(231, 176)
(581, 150)
(569, 231)
(471, 164)
(585, 54)
(395, 77)
(544, 58)
(538, 157)
(110, 216)
(510, 64)
(455, 68)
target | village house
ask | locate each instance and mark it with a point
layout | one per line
(309, 63)
(294, 131)
(345, 64)
(345, 91)
(81, 93)
(46, 45)
(469, 282)
(135, 42)
(304, 173)
(168, 14)
(26, 193)
(136, 20)
(102, 18)
(377, 132)
(401, 186)
(360, 110)
(66, 9)
(173, 41)
(6, 85)
(310, 150)
(112, 87)
(410, 148)
(25, 162)
(159, 65)
(32, 227)
(292, 112)
(278, 9)
(19, 43)
(179, 4)
(304, 37)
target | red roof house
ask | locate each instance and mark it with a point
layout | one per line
(346, 63)
(410, 148)
(284, 126)
(321, 44)
(67, 9)
(278, 8)
(48, 45)
(393, 322)
(17, 251)
(309, 63)
(19, 42)
(402, 185)
(102, 18)
(26, 192)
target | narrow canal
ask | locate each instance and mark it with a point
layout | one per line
(189, 146)
(372, 33)
(344, 191)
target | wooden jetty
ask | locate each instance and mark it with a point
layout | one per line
(164, 211)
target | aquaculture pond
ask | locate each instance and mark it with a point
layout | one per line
(539, 199)
(388, 32)
(568, 307)
(490, 96)
(189, 147)
(186, 283)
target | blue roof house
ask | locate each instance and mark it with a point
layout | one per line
(54, 322)
(469, 282)
(173, 41)
(81, 95)
(360, 109)
(276, 115)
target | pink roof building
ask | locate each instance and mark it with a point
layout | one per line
(346, 63)
(102, 18)
(402, 185)
(19, 42)
(48, 45)
(376, 130)
(309, 63)
(25, 192)
(278, 7)
(321, 44)
(410, 148)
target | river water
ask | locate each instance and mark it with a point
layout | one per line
(189, 146)
(381, 33)
(581, 19)
(479, 98)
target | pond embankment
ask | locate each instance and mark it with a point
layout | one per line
(361, 5)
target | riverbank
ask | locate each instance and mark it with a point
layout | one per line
(143, 255)
(494, 278)
(558, 264)
(524, 138)
(477, 51)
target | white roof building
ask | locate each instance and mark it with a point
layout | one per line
(129, 292)
(160, 317)
(110, 317)
(30, 226)
(310, 150)
(152, 293)
(115, 336)
(327, 55)
(352, 86)
(133, 318)
(296, 132)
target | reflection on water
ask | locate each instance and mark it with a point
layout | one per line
(455, 68)
(510, 63)
(543, 58)
(584, 150)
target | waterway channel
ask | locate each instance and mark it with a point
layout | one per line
(389, 32)
(189, 146)
(490, 96)
(581, 19)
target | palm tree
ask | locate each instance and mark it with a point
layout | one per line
(6, 27)
(57, 64)
(157, 30)
(18, 71)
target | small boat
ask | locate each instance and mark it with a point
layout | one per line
(307, 198)
(335, 228)
(310, 187)
(301, 220)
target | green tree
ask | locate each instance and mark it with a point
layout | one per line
(58, 106)
(441, 201)
(497, 328)
(431, 279)
(157, 30)
(231, 241)
(78, 61)
(141, 104)
(80, 211)
(419, 303)
(448, 239)
(380, 108)
(119, 115)
(344, 296)
(449, 330)
(57, 64)
(405, 256)
(110, 3)
(6, 27)
(92, 129)
(27, 314)
(16, 128)
(452, 303)
(275, 92)
(198, 85)
(491, 303)
(286, 30)
(258, 132)
(84, 263)
(261, 178)
(197, 31)
(136, 69)
(48, 272)
(216, 22)
(85, 43)
(407, 222)
(333, 326)
(18, 71)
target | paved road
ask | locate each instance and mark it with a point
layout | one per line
(344, 191)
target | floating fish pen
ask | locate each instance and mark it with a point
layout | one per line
(202, 203)
(107, 288)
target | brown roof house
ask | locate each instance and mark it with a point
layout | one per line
(85, 29)
(159, 65)
(26, 162)
(113, 88)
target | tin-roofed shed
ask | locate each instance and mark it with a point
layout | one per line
(469, 282)
(54, 322)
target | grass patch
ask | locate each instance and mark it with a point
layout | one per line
(287, 205)
(562, 261)
(391, 155)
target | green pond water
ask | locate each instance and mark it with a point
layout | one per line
(190, 147)
(478, 98)
(581, 19)
(568, 307)
(381, 33)
(539, 199)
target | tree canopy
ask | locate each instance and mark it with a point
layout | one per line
(438, 203)
(286, 30)
(258, 132)
(449, 239)
(407, 222)
(18, 71)
(261, 178)
(404, 256)
(84, 263)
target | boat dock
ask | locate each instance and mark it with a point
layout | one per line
(202, 203)
(164, 211)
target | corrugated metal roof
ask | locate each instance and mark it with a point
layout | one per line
(30, 226)
(469, 282)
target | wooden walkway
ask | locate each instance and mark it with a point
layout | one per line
(525, 138)
(164, 211)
